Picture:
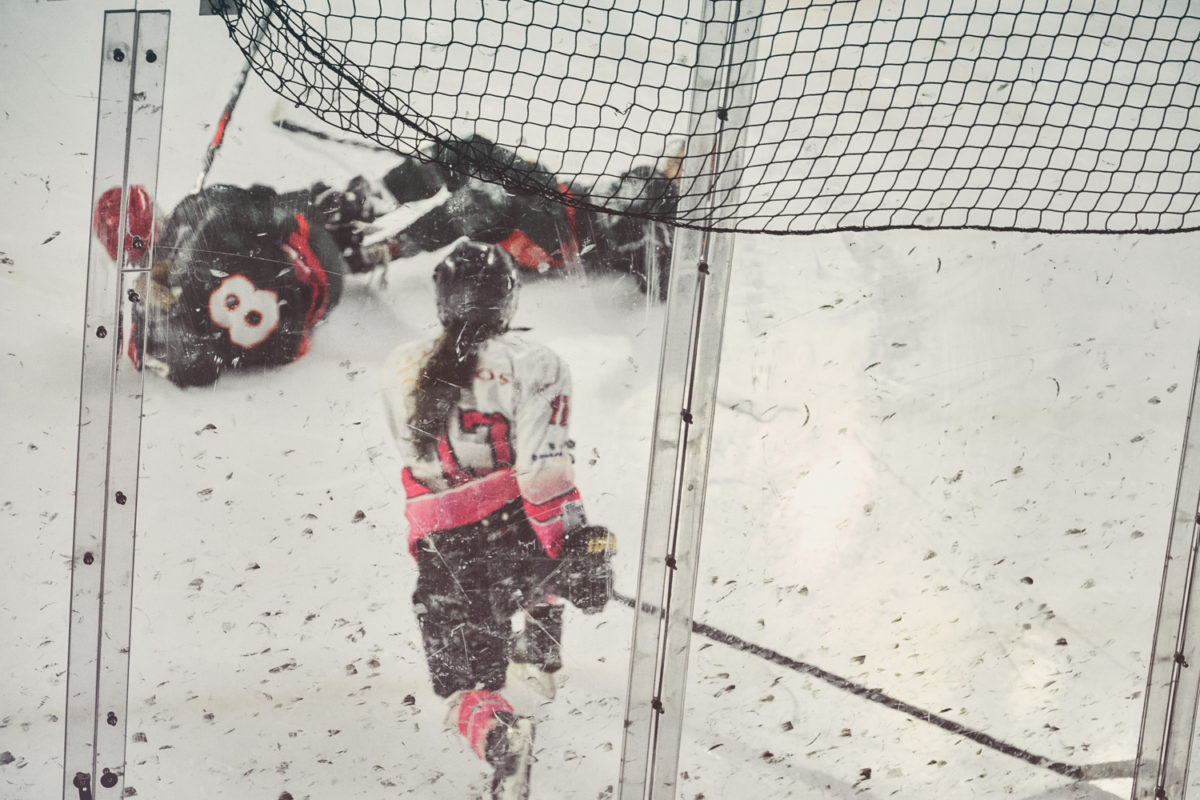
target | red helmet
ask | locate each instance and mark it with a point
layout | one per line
(139, 222)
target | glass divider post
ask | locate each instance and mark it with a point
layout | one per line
(1173, 685)
(722, 80)
(132, 74)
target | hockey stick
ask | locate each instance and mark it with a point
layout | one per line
(294, 127)
(219, 136)
(1089, 772)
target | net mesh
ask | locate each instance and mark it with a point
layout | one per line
(1041, 115)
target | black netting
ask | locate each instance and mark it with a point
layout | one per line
(1055, 115)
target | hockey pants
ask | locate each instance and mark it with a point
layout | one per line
(470, 581)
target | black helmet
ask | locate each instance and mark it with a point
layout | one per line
(254, 276)
(476, 284)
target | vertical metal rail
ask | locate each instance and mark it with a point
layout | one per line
(1169, 715)
(696, 300)
(128, 126)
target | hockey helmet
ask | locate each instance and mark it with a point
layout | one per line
(476, 284)
(139, 222)
(252, 274)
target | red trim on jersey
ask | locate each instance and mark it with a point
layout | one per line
(544, 512)
(547, 521)
(571, 245)
(529, 253)
(309, 272)
(412, 486)
(450, 468)
(428, 512)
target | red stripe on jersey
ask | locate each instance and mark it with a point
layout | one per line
(571, 245)
(412, 486)
(462, 505)
(453, 472)
(547, 521)
(309, 272)
(529, 253)
(543, 512)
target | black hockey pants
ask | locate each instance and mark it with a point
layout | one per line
(470, 581)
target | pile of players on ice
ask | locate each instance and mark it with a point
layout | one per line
(242, 275)
(480, 413)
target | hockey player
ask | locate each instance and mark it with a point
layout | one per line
(542, 234)
(497, 527)
(240, 278)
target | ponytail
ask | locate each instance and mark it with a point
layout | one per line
(448, 371)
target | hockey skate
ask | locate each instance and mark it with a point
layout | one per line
(509, 750)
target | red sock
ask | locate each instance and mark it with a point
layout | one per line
(476, 715)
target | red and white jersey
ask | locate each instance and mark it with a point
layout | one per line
(507, 439)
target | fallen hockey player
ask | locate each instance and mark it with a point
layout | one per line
(241, 276)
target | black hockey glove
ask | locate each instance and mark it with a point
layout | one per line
(335, 208)
(173, 349)
(339, 214)
(585, 575)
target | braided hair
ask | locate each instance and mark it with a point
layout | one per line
(476, 296)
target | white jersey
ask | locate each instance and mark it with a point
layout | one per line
(507, 439)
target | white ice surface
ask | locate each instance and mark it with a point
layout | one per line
(938, 455)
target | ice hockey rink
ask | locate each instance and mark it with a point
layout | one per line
(940, 489)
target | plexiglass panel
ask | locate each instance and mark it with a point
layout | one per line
(937, 509)
(942, 481)
(132, 61)
(276, 645)
(114, 101)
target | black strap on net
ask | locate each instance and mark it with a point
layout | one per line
(1039, 115)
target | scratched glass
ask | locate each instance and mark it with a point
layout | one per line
(275, 646)
(941, 485)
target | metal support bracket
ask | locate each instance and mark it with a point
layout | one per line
(128, 126)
